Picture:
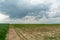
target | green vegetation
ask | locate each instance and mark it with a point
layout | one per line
(3, 30)
(33, 26)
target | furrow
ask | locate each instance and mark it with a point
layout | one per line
(20, 34)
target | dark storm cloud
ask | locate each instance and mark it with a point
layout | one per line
(14, 11)
(41, 9)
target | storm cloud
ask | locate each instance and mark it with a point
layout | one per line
(15, 10)
(28, 9)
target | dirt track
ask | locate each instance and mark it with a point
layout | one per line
(11, 35)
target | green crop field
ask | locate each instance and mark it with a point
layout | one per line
(3, 30)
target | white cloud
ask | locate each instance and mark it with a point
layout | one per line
(3, 18)
(35, 2)
(1, 1)
(53, 21)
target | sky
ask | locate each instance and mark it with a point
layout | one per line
(30, 11)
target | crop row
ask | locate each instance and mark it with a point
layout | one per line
(3, 30)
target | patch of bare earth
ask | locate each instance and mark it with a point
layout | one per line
(11, 35)
(42, 33)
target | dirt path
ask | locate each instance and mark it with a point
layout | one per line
(12, 35)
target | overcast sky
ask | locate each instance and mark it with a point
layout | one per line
(30, 11)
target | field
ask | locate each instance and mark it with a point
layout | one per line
(3, 30)
(34, 32)
(29, 31)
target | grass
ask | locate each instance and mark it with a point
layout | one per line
(3, 30)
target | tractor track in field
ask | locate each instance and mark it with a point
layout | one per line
(25, 36)
(29, 36)
(19, 34)
(15, 33)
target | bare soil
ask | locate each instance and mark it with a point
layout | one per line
(42, 33)
(12, 35)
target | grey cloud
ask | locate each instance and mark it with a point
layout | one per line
(57, 15)
(40, 11)
(14, 11)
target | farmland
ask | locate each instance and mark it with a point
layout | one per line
(29, 31)
(34, 32)
(3, 30)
